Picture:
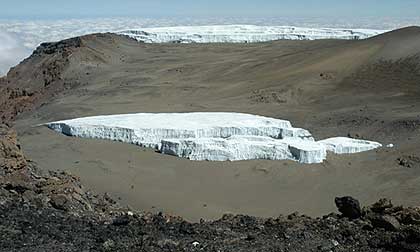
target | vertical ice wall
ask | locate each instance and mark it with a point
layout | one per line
(214, 136)
(243, 34)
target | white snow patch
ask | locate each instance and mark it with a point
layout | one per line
(213, 136)
(242, 34)
(344, 145)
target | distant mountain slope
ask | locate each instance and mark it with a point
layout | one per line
(50, 70)
(399, 43)
(289, 72)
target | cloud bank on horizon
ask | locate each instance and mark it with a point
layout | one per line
(11, 51)
(19, 38)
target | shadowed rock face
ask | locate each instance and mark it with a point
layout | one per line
(40, 77)
(349, 207)
(11, 157)
(58, 47)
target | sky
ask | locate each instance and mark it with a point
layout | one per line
(35, 9)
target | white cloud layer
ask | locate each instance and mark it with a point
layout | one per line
(12, 51)
(19, 38)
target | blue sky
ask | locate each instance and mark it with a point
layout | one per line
(28, 9)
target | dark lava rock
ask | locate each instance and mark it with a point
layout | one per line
(121, 220)
(388, 222)
(53, 47)
(409, 216)
(59, 201)
(381, 205)
(409, 161)
(349, 207)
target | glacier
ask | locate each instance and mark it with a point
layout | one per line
(243, 34)
(212, 136)
(237, 148)
(343, 145)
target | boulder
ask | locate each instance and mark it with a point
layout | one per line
(381, 205)
(348, 207)
(59, 201)
(388, 222)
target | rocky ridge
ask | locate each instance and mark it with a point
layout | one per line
(22, 182)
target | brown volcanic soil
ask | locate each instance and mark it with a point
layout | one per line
(368, 89)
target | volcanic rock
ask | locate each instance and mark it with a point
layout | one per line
(349, 207)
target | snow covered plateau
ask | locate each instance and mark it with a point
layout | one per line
(213, 136)
(243, 34)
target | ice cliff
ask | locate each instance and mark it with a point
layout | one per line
(213, 136)
(242, 34)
